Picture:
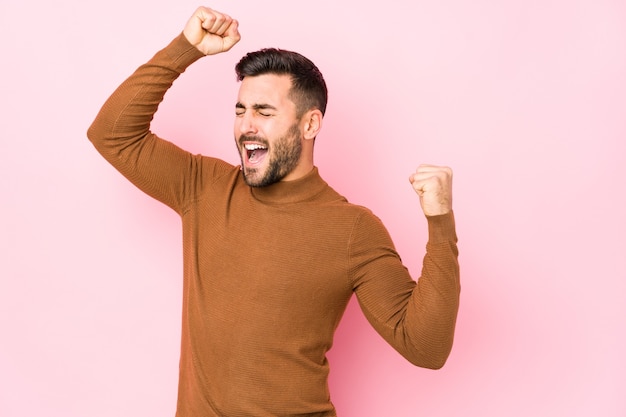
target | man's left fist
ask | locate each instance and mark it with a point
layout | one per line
(433, 184)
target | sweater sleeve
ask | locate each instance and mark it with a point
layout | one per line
(121, 130)
(416, 318)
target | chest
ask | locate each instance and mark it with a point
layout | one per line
(271, 256)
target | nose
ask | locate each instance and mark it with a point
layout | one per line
(246, 123)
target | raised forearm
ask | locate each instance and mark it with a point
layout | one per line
(125, 117)
(432, 311)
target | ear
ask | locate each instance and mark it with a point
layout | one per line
(312, 123)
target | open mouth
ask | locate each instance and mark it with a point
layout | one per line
(255, 152)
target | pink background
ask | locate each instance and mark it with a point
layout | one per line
(526, 100)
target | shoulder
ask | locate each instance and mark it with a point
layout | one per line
(212, 175)
(364, 224)
(214, 166)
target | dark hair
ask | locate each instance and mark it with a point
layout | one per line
(308, 88)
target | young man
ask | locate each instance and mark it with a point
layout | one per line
(272, 254)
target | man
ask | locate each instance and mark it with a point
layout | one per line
(272, 254)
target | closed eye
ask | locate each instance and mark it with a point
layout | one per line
(265, 110)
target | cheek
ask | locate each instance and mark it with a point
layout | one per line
(280, 128)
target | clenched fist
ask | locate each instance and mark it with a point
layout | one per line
(433, 184)
(211, 32)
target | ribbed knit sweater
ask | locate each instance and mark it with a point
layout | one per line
(268, 271)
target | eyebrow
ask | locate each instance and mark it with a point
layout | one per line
(239, 105)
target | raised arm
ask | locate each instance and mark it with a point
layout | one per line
(417, 318)
(121, 130)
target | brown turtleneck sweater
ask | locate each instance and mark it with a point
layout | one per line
(269, 271)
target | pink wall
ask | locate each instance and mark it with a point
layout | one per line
(526, 100)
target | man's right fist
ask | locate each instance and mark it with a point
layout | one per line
(211, 32)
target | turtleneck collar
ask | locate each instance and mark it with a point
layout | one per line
(285, 192)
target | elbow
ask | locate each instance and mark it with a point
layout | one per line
(433, 356)
(100, 137)
(100, 130)
(92, 133)
(434, 362)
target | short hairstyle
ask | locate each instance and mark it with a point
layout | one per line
(308, 88)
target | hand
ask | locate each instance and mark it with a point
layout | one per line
(211, 32)
(433, 184)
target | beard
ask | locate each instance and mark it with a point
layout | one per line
(283, 157)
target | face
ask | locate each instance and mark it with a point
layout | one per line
(267, 133)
